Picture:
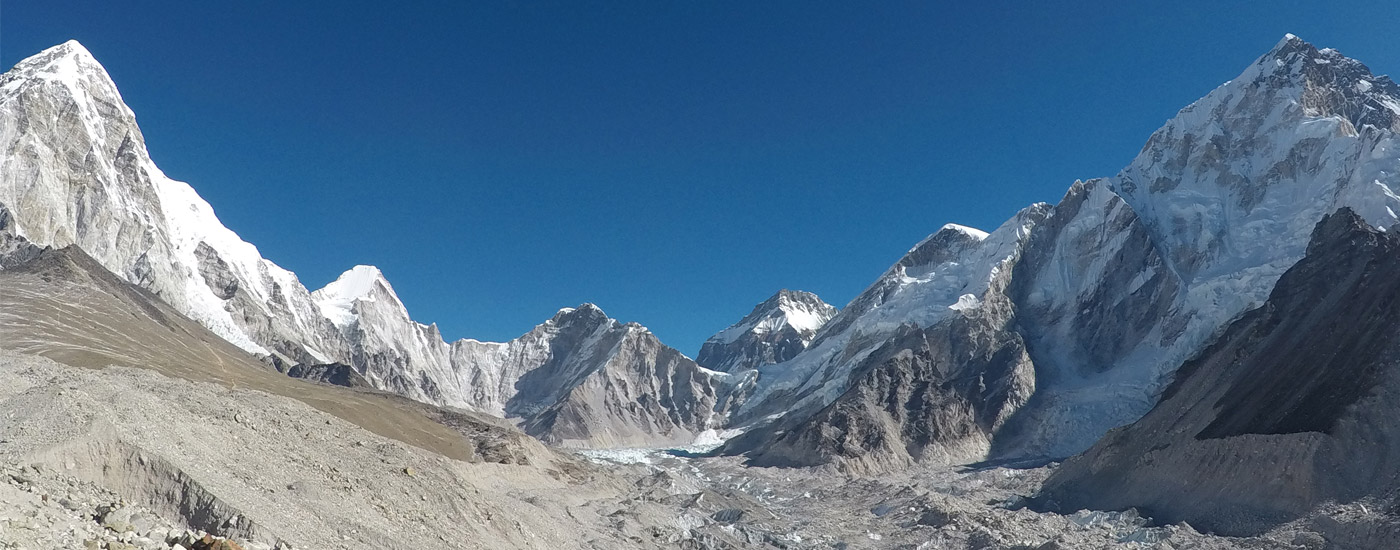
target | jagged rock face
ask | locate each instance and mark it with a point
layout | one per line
(936, 395)
(583, 379)
(1089, 291)
(778, 329)
(634, 392)
(579, 379)
(948, 272)
(390, 349)
(215, 272)
(1291, 407)
(335, 374)
(931, 343)
(14, 249)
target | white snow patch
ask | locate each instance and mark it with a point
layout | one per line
(711, 439)
(969, 231)
(966, 302)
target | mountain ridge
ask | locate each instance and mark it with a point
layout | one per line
(1109, 290)
(1105, 292)
(78, 173)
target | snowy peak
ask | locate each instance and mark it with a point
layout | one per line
(69, 61)
(950, 274)
(776, 330)
(1134, 277)
(1243, 173)
(73, 67)
(943, 246)
(361, 283)
(803, 311)
(585, 313)
(77, 173)
(1332, 84)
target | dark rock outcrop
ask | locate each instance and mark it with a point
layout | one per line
(215, 271)
(337, 374)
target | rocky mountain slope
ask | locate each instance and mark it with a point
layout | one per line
(76, 172)
(1107, 291)
(922, 366)
(62, 305)
(1290, 408)
(776, 330)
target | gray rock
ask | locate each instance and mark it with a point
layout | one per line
(728, 515)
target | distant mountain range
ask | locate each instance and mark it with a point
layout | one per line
(1029, 342)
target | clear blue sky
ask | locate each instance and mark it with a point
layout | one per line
(673, 162)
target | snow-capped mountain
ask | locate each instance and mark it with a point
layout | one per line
(1134, 274)
(1031, 340)
(923, 365)
(777, 330)
(578, 379)
(1110, 290)
(74, 170)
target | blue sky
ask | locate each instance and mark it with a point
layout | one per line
(673, 162)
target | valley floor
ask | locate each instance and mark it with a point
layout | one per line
(123, 458)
